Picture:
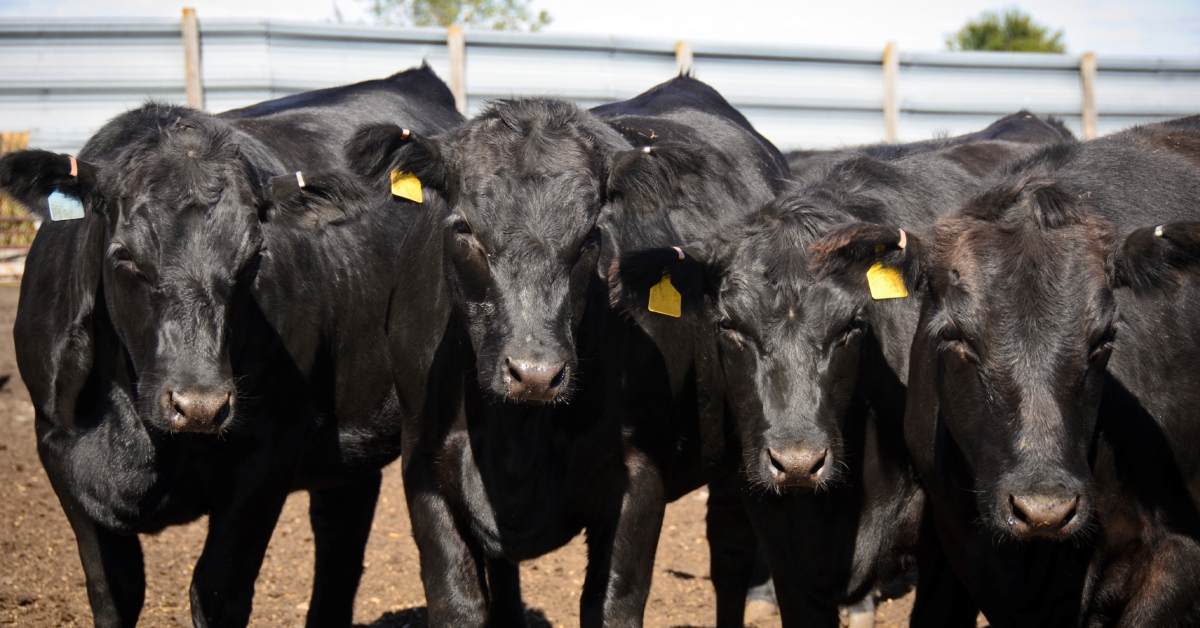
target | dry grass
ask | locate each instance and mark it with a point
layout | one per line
(16, 225)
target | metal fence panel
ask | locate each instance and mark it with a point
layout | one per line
(62, 78)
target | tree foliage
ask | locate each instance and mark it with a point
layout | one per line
(1013, 31)
(501, 15)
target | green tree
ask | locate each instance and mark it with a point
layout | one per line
(1013, 31)
(501, 15)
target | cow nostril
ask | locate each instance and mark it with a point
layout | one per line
(558, 378)
(513, 371)
(776, 464)
(820, 463)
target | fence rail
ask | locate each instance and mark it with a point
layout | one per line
(62, 78)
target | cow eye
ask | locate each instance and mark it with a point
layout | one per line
(1104, 344)
(727, 324)
(950, 333)
(123, 256)
(462, 228)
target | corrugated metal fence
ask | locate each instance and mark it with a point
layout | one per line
(61, 79)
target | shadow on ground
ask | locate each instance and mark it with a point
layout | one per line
(419, 618)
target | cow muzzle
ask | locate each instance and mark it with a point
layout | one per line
(536, 381)
(198, 410)
(1043, 515)
(796, 465)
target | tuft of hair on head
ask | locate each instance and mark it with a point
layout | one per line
(1033, 198)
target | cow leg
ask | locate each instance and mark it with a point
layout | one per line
(341, 521)
(456, 591)
(621, 545)
(733, 548)
(112, 563)
(505, 607)
(941, 600)
(239, 530)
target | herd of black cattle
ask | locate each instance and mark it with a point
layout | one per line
(976, 356)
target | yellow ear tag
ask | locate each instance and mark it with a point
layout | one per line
(406, 185)
(664, 298)
(885, 282)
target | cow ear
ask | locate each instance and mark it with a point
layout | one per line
(649, 177)
(850, 252)
(375, 152)
(314, 200)
(634, 274)
(1156, 257)
(31, 176)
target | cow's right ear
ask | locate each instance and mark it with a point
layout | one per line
(375, 152)
(31, 176)
(314, 200)
(658, 175)
(1156, 257)
(632, 277)
(883, 260)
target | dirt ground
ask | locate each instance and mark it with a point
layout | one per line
(42, 584)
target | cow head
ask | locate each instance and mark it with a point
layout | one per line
(794, 323)
(182, 209)
(1020, 320)
(526, 185)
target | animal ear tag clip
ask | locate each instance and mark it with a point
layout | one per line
(886, 282)
(664, 298)
(65, 206)
(406, 184)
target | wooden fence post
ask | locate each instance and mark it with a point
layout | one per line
(1087, 80)
(891, 102)
(191, 59)
(456, 45)
(683, 57)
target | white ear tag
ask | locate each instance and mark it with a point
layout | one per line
(64, 207)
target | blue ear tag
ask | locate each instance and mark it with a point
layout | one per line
(64, 207)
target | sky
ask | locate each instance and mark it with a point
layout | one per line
(1112, 27)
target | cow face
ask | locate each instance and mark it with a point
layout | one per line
(1021, 320)
(525, 184)
(792, 339)
(788, 350)
(182, 247)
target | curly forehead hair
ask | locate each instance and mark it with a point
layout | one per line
(184, 156)
(532, 134)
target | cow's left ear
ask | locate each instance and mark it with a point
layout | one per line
(32, 176)
(314, 200)
(1155, 257)
(633, 276)
(649, 177)
(886, 261)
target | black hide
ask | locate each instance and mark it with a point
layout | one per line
(1053, 386)
(815, 369)
(540, 197)
(206, 339)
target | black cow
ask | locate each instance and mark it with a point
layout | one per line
(1053, 385)
(815, 369)
(204, 339)
(536, 411)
